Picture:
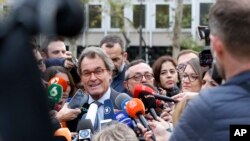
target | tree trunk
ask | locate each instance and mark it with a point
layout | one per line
(177, 28)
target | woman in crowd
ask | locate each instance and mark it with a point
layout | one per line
(207, 81)
(191, 78)
(63, 73)
(166, 76)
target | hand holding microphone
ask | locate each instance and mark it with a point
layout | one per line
(158, 130)
(136, 109)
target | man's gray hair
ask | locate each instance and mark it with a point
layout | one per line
(93, 52)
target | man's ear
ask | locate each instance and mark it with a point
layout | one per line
(125, 55)
(216, 46)
(43, 54)
(125, 85)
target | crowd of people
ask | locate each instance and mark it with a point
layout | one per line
(203, 110)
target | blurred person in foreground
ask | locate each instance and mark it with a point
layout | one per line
(115, 131)
(229, 25)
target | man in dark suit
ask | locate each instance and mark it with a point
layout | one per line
(114, 47)
(95, 69)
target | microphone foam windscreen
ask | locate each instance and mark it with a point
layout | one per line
(85, 124)
(135, 107)
(60, 81)
(69, 18)
(55, 124)
(148, 100)
(120, 98)
(141, 87)
(63, 132)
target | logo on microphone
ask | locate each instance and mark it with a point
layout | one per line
(54, 80)
(107, 110)
(84, 134)
(132, 104)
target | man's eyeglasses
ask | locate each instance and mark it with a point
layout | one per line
(191, 77)
(181, 67)
(97, 72)
(138, 77)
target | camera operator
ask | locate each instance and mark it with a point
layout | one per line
(209, 115)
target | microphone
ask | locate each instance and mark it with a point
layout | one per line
(61, 17)
(85, 130)
(78, 100)
(149, 102)
(63, 133)
(136, 109)
(55, 93)
(91, 114)
(121, 101)
(59, 81)
(142, 88)
(109, 110)
(123, 118)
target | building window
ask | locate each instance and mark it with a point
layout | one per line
(117, 16)
(139, 15)
(204, 10)
(162, 16)
(95, 14)
(186, 16)
(5, 11)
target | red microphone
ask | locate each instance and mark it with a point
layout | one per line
(140, 88)
(135, 109)
(60, 81)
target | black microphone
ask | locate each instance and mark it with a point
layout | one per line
(62, 17)
(85, 130)
(149, 102)
(145, 89)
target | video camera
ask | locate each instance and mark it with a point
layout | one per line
(205, 56)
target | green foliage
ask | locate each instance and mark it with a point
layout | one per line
(95, 18)
(204, 11)
(4, 12)
(84, 1)
(190, 43)
(117, 15)
(162, 16)
(187, 16)
(137, 15)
